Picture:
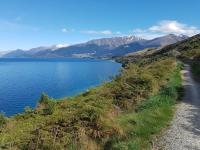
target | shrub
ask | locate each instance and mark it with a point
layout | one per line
(49, 108)
(43, 99)
(28, 110)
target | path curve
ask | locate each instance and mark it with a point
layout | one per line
(184, 132)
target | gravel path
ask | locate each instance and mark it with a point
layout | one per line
(184, 132)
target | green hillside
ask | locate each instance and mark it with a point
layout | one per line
(189, 48)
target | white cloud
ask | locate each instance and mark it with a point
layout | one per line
(103, 32)
(138, 30)
(55, 47)
(167, 27)
(147, 35)
(65, 30)
(61, 45)
(170, 26)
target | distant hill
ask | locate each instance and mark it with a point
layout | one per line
(154, 43)
(106, 47)
(16, 53)
(29, 53)
(2, 53)
(188, 49)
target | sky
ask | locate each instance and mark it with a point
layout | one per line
(25, 24)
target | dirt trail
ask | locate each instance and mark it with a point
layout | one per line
(184, 132)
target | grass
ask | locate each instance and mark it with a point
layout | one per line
(152, 116)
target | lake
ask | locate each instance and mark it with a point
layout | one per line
(23, 80)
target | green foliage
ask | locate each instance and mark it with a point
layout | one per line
(43, 99)
(153, 115)
(28, 110)
(49, 108)
(191, 53)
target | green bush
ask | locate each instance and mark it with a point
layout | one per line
(28, 110)
(49, 108)
(44, 99)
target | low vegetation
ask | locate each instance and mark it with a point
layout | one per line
(151, 117)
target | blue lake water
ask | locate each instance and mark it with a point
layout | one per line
(23, 80)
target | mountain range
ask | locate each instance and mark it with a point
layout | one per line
(103, 48)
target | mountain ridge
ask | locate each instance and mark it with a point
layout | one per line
(105, 47)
